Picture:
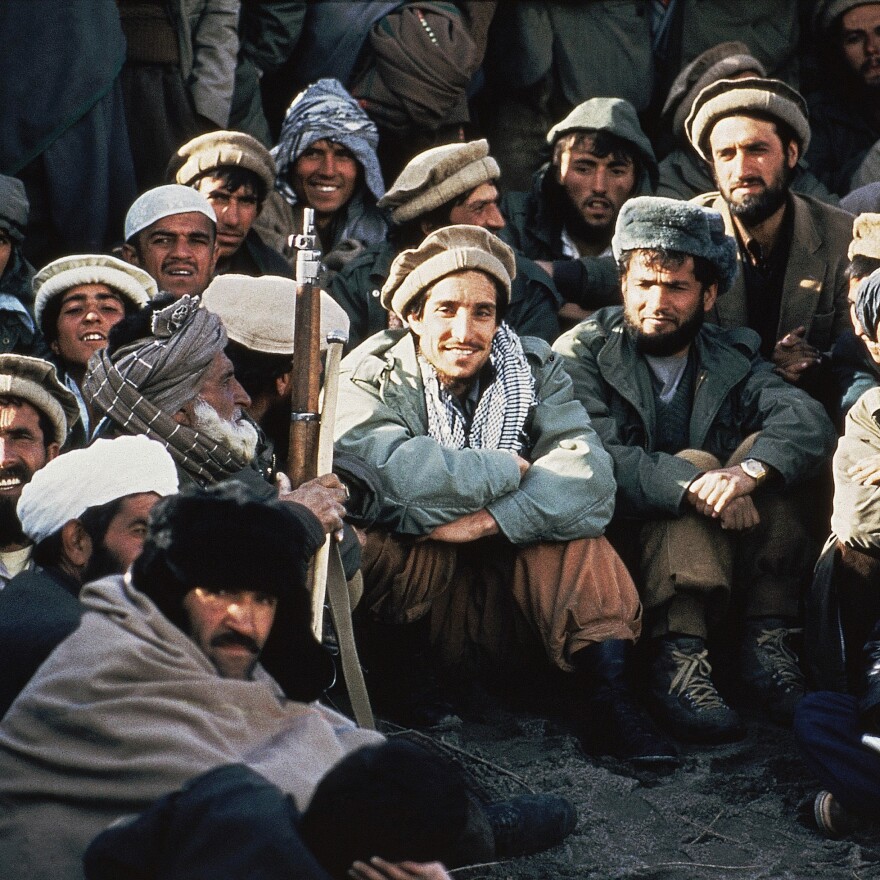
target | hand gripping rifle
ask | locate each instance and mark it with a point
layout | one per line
(311, 450)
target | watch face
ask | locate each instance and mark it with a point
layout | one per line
(754, 468)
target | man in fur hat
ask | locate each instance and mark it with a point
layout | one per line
(496, 491)
(170, 674)
(790, 286)
(707, 443)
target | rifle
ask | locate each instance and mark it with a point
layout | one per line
(302, 459)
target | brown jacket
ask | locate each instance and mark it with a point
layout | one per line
(814, 293)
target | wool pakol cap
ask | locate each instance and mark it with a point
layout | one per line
(866, 237)
(14, 207)
(108, 469)
(35, 381)
(129, 281)
(649, 222)
(437, 176)
(447, 250)
(165, 201)
(223, 149)
(745, 97)
(722, 61)
(827, 12)
(258, 313)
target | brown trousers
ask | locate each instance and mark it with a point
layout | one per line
(690, 565)
(491, 600)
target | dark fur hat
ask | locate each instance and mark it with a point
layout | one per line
(224, 538)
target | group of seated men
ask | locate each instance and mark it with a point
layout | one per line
(514, 500)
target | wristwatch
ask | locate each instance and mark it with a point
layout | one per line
(757, 470)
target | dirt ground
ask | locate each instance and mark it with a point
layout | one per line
(728, 812)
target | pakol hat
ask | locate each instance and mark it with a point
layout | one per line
(35, 381)
(222, 149)
(650, 222)
(866, 237)
(745, 97)
(258, 313)
(827, 11)
(14, 207)
(447, 250)
(165, 201)
(108, 469)
(129, 281)
(437, 176)
(723, 61)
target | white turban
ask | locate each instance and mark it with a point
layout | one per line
(108, 469)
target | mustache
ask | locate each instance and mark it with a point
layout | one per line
(233, 639)
(16, 471)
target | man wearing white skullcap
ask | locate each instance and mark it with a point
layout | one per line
(86, 513)
(171, 231)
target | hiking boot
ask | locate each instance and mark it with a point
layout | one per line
(832, 819)
(769, 667)
(611, 721)
(530, 823)
(684, 696)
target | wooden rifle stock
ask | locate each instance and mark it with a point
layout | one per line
(302, 460)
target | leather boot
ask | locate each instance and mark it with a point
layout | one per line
(611, 720)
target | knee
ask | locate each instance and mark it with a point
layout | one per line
(705, 461)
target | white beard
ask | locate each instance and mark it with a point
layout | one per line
(238, 435)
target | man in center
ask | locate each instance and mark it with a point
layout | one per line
(496, 489)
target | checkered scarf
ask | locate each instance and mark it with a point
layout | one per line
(143, 384)
(504, 404)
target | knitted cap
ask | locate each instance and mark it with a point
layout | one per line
(14, 207)
(258, 313)
(108, 469)
(129, 281)
(648, 222)
(35, 380)
(165, 201)
(744, 97)
(866, 237)
(723, 61)
(450, 249)
(219, 149)
(437, 176)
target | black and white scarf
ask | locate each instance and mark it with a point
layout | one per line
(503, 407)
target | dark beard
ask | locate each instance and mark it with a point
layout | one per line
(10, 527)
(763, 205)
(101, 563)
(574, 224)
(668, 343)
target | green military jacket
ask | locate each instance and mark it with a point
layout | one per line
(737, 394)
(568, 492)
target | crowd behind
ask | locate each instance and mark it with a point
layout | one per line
(608, 424)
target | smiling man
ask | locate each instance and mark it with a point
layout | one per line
(791, 282)
(235, 173)
(497, 491)
(707, 443)
(36, 414)
(326, 160)
(78, 300)
(171, 232)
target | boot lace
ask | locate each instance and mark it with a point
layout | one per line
(692, 677)
(778, 658)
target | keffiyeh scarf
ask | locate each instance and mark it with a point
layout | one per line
(503, 407)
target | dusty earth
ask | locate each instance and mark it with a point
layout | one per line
(728, 812)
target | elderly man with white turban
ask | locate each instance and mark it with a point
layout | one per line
(86, 514)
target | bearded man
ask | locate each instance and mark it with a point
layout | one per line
(707, 443)
(791, 285)
(165, 374)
